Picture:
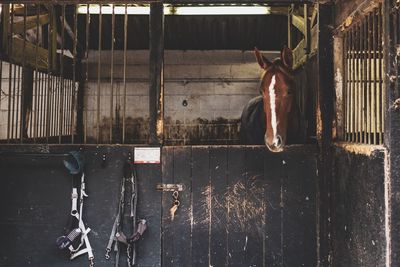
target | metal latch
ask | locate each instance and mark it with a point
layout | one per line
(170, 187)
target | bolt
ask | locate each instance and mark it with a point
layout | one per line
(396, 104)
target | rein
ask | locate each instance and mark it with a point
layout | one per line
(128, 194)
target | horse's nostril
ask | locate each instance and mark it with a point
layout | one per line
(278, 141)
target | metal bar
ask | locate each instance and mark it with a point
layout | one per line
(17, 96)
(13, 101)
(125, 56)
(62, 89)
(350, 79)
(36, 113)
(98, 76)
(112, 73)
(53, 97)
(75, 41)
(67, 107)
(366, 81)
(375, 88)
(86, 69)
(9, 101)
(357, 79)
(378, 81)
(362, 80)
(369, 77)
(353, 85)
(382, 89)
(41, 98)
(10, 97)
(49, 70)
(23, 118)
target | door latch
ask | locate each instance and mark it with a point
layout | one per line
(170, 187)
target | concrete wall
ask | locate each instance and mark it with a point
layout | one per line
(216, 85)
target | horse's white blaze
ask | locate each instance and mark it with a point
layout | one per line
(273, 108)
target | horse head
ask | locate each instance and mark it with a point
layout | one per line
(278, 92)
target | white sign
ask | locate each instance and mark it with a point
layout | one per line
(147, 155)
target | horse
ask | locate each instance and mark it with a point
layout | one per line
(273, 118)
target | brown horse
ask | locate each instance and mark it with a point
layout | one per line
(273, 118)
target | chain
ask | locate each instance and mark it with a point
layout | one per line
(175, 196)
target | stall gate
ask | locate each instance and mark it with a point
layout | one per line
(241, 206)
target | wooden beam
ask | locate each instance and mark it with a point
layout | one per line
(5, 19)
(306, 30)
(156, 89)
(30, 23)
(290, 22)
(17, 55)
(325, 115)
(391, 78)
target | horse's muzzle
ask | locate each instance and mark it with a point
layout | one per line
(277, 144)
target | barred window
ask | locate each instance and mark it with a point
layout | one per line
(364, 92)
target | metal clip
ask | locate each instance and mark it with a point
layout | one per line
(170, 187)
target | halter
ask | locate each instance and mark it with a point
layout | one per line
(75, 167)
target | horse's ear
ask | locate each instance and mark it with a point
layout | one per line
(287, 57)
(262, 61)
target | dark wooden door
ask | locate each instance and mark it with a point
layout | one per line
(242, 206)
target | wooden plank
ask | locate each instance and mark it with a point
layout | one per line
(219, 208)
(156, 85)
(181, 222)
(391, 81)
(236, 196)
(255, 206)
(201, 195)
(30, 23)
(167, 233)
(149, 202)
(299, 210)
(273, 178)
(325, 95)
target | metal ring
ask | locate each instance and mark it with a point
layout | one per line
(177, 202)
(175, 194)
